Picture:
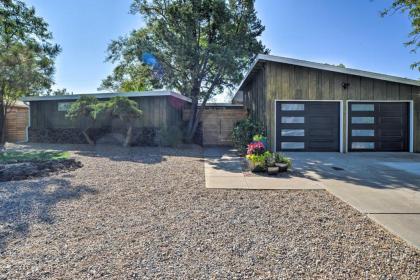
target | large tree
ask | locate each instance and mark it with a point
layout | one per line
(412, 7)
(202, 47)
(26, 55)
(130, 75)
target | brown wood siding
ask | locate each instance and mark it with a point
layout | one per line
(16, 123)
(159, 111)
(218, 123)
(288, 82)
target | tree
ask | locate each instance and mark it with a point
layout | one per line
(59, 92)
(127, 111)
(202, 47)
(413, 9)
(26, 55)
(86, 111)
(130, 76)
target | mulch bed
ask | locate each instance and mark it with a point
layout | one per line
(32, 169)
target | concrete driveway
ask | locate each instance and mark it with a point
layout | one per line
(385, 186)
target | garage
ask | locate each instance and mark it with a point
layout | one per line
(308, 126)
(378, 126)
(310, 106)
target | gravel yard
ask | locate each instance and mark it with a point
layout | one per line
(144, 213)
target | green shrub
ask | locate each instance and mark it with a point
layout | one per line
(171, 136)
(243, 133)
(279, 158)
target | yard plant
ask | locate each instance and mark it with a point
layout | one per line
(87, 110)
(200, 48)
(26, 55)
(244, 132)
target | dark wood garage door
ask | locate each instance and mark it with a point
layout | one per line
(378, 126)
(307, 126)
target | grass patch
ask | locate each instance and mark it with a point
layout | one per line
(22, 156)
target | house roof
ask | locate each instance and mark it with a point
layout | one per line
(109, 95)
(327, 67)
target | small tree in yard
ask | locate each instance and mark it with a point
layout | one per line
(26, 55)
(86, 111)
(202, 46)
(127, 111)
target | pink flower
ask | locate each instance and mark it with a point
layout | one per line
(255, 148)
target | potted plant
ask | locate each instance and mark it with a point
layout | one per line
(282, 162)
(270, 162)
(256, 156)
(260, 138)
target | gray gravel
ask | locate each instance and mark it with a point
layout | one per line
(144, 213)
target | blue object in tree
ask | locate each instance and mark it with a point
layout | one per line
(149, 59)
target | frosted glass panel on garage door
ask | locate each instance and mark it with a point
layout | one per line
(292, 119)
(292, 107)
(292, 132)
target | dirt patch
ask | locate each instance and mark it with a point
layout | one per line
(39, 168)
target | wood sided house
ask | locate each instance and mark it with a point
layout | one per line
(304, 106)
(307, 106)
(161, 109)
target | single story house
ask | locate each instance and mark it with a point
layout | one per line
(308, 106)
(17, 122)
(161, 109)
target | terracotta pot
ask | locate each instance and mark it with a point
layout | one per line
(282, 166)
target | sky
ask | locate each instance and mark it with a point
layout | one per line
(326, 31)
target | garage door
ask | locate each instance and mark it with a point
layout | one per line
(378, 126)
(307, 126)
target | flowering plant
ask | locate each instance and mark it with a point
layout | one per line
(255, 148)
(260, 138)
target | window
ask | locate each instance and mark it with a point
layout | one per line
(292, 132)
(363, 145)
(292, 107)
(363, 107)
(292, 145)
(363, 120)
(362, 132)
(63, 106)
(292, 119)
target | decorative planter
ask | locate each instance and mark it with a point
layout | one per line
(282, 166)
(255, 167)
(272, 170)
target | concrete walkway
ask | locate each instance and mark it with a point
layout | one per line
(225, 170)
(384, 186)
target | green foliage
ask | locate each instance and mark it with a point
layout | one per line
(279, 158)
(22, 156)
(130, 75)
(243, 133)
(260, 160)
(58, 92)
(203, 47)
(85, 106)
(123, 108)
(171, 136)
(413, 9)
(26, 54)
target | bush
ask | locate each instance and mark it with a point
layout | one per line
(279, 158)
(243, 133)
(260, 160)
(171, 136)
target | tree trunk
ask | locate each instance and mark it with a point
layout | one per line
(2, 119)
(87, 138)
(193, 121)
(128, 136)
